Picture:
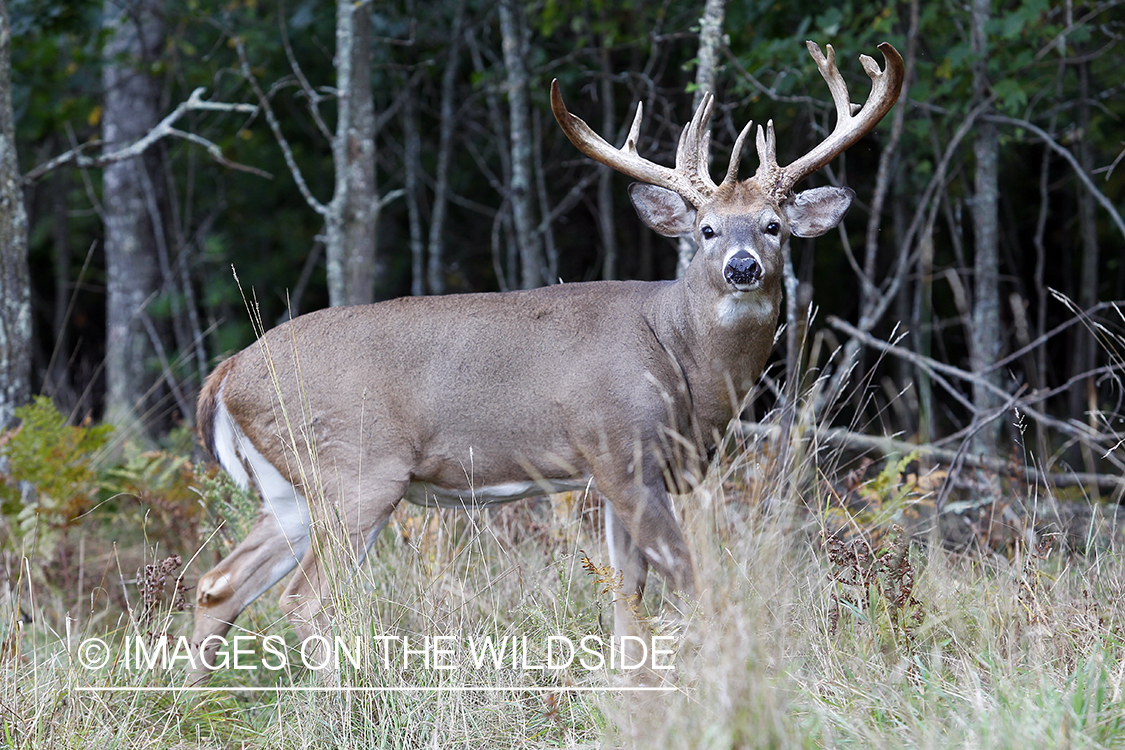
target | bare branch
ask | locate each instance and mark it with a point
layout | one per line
(275, 128)
(310, 93)
(162, 129)
(1058, 148)
(217, 153)
(840, 437)
(1077, 430)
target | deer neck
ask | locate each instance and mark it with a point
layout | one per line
(719, 342)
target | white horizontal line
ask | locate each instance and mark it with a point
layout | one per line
(383, 689)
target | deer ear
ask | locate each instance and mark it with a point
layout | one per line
(662, 209)
(811, 213)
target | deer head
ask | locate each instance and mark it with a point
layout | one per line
(753, 218)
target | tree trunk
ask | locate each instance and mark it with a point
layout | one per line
(985, 343)
(607, 227)
(1083, 399)
(710, 35)
(435, 269)
(132, 105)
(521, 196)
(412, 167)
(353, 214)
(15, 304)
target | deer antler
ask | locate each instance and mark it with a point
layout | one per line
(690, 178)
(852, 121)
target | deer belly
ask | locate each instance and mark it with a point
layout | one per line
(432, 495)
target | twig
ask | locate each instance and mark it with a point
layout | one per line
(216, 153)
(310, 93)
(1055, 146)
(275, 128)
(1049, 335)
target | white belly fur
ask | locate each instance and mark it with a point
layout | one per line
(431, 495)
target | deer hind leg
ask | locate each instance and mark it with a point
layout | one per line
(342, 536)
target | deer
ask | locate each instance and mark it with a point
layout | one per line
(462, 401)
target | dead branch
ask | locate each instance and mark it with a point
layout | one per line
(163, 129)
(275, 128)
(1058, 148)
(842, 438)
(1081, 432)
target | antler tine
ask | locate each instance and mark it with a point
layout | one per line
(736, 154)
(694, 150)
(682, 180)
(769, 173)
(634, 129)
(885, 86)
(837, 86)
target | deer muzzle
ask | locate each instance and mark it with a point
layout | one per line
(742, 271)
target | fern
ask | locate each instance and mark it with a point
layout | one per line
(50, 479)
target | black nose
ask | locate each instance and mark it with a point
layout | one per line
(742, 269)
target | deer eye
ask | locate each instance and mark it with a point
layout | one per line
(773, 228)
(707, 232)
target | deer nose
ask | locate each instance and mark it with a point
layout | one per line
(742, 269)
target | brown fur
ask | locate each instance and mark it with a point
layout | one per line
(209, 404)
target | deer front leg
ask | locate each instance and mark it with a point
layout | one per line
(624, 557)
(642, 533)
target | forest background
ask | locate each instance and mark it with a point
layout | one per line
(988, 210)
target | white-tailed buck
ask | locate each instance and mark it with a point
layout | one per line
(466, 400)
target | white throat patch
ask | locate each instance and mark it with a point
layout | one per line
(745, 307)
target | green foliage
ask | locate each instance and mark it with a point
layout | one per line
(888, 483)
(58, 473)
(51, 479)
(233, 510)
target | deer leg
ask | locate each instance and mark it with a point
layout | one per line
(642, 533)
(338, 548)
(626, 558)
(644, 509)
(267, 554)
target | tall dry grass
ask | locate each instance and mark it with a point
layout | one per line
(803, 637)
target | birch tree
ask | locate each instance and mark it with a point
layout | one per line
(15, 304)
(132, 96)
(985, 342)
(352, 215)
(513, 29)
(710, 39)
